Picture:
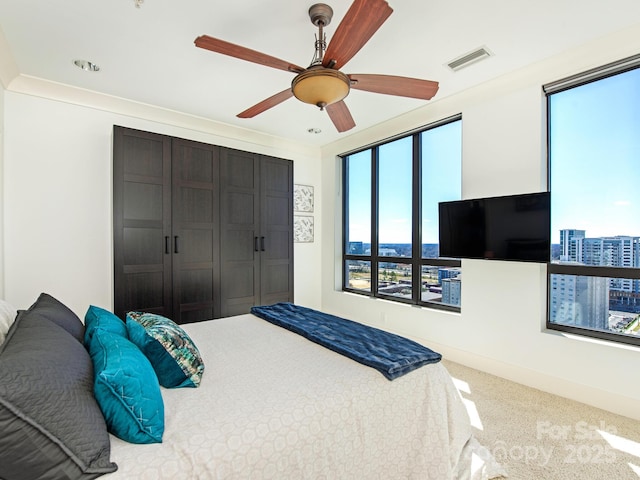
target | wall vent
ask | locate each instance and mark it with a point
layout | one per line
(469, 58)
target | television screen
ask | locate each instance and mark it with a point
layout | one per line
(514, 227)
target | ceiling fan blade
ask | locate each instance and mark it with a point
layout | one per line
(340, 116)
(394, 85)
(361, 21)
(233, 50)
(272, 101)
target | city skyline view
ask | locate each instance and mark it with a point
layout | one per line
(593, 149)
(598, 303)
(594, 154)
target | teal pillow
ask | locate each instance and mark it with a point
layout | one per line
(174, 356)
(126, 388)
(97, 317)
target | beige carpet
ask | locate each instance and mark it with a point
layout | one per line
(539, 436)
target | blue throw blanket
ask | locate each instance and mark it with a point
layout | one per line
(390, 354)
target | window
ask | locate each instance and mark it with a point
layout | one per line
(391, 195)
(594, 173)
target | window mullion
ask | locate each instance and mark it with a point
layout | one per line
(345, 219)
(375, 168)
(416, 213)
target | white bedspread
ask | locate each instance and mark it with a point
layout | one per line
(273, 405)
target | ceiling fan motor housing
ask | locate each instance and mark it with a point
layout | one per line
(320, 14)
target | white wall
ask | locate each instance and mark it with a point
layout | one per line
(501, 328)
(57, 181)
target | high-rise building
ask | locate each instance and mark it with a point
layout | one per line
(592, 252)
(570, 245)
(618, 251)
(584, 301)
(451, 291)
(448, 272)
(579, 300)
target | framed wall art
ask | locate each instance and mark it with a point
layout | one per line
(303, 198)
(302, 229)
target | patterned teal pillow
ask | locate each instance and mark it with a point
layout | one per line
(174, 356)
(97, 317)
(126, 388)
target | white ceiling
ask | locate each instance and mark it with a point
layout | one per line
(147, 54)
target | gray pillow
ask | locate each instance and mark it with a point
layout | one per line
(55, 311)
(51, 426)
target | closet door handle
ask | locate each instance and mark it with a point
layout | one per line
(255, 244)
(175, 244)
(262, 243)
(166, 245)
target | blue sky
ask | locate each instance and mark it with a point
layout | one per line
(441, 179)
(595, 157)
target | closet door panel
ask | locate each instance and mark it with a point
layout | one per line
(277, 247)
(195, 188)
(194, 246)
(278, 211)
(239, 231)
(241, 247)
(195, 295)
(276, 261)
(240, 170)
(276, 175)
(276, 284)
(142, 221)
(143, 201)
(144, 292)
(240, 208)
(143, 246)
(239, 284)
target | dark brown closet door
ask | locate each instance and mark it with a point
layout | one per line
(195, 232)
(276, 230)
(142, 222)
(239, 231)
(256, 231)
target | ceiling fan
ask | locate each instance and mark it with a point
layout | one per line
(322, 83)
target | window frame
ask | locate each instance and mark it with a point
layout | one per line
(580, 79)
(374, 258)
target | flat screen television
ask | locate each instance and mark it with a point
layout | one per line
(514, 227)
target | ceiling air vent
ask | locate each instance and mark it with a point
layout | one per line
(469, 58)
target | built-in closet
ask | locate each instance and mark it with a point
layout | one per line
(200, 231)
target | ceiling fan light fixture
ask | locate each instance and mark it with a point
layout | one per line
(320, 86)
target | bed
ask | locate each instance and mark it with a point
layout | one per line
(274, 405)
